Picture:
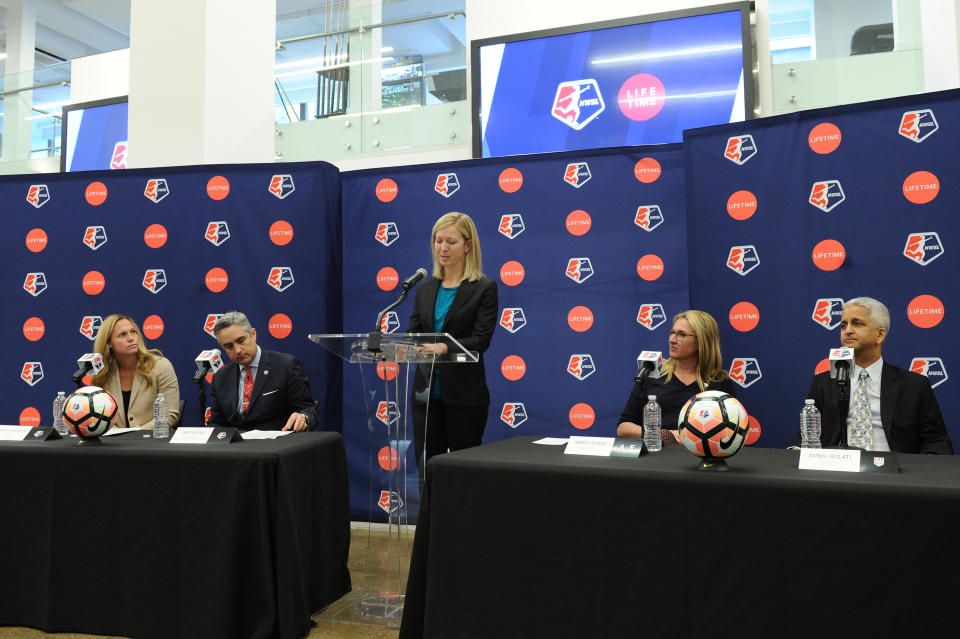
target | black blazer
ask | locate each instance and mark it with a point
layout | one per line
(908, 410)
(471, 319)
(280, 388)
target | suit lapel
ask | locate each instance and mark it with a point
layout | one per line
(889, 389)
(432, 288)
(463, 294)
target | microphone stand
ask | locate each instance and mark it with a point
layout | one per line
(77, 377)
(374, 338)
(198, 379)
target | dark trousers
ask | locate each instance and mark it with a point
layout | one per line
(446, 427)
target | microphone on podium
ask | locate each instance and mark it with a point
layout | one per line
(374, 338)
(413, 279)
(841, 361)
(648, 362)
(89, 363)
(208, 361)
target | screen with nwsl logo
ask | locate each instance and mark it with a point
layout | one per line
(638, 81)
(94, 136)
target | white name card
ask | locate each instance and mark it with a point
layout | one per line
(843, 460)
(596, 446)
(14, 433)
(192, 435)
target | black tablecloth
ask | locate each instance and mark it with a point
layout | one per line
(518, 540)
(147, 539)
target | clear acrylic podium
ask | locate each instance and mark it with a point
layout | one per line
(392, 366)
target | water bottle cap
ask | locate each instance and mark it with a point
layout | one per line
(651, 398)
(808, 402)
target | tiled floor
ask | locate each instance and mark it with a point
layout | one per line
(371, 552)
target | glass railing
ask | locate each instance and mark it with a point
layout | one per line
(31, 111)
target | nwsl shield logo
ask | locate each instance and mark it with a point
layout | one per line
(581, 366)
(387, 412)
(387, 233)
(826, 195)
(577, 103)
(513, 319)
(217, 232)
(390, 322)
(745, 371)
(511, 225)
(918, 125)
(447, 184)
(35, 283)
(389, 501)
(743, 259)
(923, 248)
(38, 195)
(156, 190)
(579, 269)
(209, 322)
(95, 237)
(89, 326)
(740, 148)
(31, 373)
(154, 280)
(932, 367)
(119, 159)
(577, 174)
(827, 312)
(281, 186)
(513, 414)
(651, 316)
(280, 278)
(648, 217)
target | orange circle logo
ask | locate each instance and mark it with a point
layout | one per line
(582, 416)
(155, 236)
(30, 416)
(96, 193)
(511, 180)
(580, 318)
(217, 279)
(824, 138)
(513, 367)
(578, 222)
(280, 326)
(822, 366)
(388, 458)
(387, 278)
(829, 255)
(753, 430)
(387, 370)
(36, 240)
(650, 267)
(33, 328)
(647, 170)
(153, 327)
(921, 187)
(744, 316)
(925, 311)
(281, 233)
(386, 190)
(741, 205)
(218, 187)
(511, 273)
(93, 283)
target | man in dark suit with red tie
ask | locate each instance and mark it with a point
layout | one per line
(260, 389)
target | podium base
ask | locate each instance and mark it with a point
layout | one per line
(385, 607)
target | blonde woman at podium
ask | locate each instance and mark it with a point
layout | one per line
(461, 301)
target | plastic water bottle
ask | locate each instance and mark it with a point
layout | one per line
(161, 414)
(651, 425)
(809, 425)
(58, 423)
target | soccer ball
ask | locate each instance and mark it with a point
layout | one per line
(713, 425)
(90, 411)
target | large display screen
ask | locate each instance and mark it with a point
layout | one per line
(612, 84)
(94, 136)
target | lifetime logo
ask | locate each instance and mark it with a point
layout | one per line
(38, 195)
(280, 278)
(390, 322)
(281, 186)
(217, 232)
(581, 366)
(579, 269)
(918, 125)
(209, 322)
(119, 159)
(513, 414)
(826, 195)
(827, 312)
(511, 225)
(154, 280)
(923, 248)
(387, 233)
(745, 371)
(743, 259)
(94, 237)
(35, 283)
(447, 184)
(740, 148)
(31, 373)
(577, 174)
(156, 190)
(648, 217)
(513, 319)
(388, 412)
(650, 316)
(932, 367)
(577, 103)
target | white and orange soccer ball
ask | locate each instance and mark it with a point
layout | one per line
(713, 425)
(90, 411)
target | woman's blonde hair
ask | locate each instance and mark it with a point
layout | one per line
(146, 358)
(709, 359)
(472, 265)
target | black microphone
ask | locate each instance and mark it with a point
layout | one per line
(208, 360)
(649, 362)
(413, 279)
(840, 361)
(89, 362)
(374, 338)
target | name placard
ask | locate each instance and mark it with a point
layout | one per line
(191, 435)
(843, 460)
(595, 446)
(14, 433)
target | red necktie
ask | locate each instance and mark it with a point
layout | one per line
(247, 389)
